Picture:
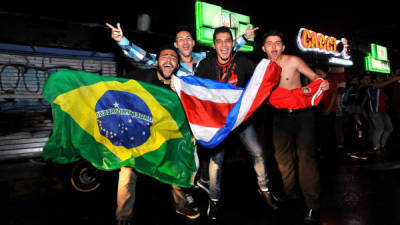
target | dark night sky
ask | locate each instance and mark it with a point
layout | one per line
(37, 21)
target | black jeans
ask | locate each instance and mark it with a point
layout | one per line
(293, 135)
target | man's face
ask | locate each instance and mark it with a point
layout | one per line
(223, 45)
(167, 62)
(366, 80)
(273, 47)
(379, 78)
(354, 81)
(184, 43)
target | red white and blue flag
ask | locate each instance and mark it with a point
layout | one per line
(215, 108)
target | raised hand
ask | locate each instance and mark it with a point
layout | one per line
(250, 33)
(116, 32)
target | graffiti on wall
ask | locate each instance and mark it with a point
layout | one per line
(19, 79)
(21, 84)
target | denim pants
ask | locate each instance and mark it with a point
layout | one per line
(381, 128)
(293, 137)
(250, 141)
(126, 194)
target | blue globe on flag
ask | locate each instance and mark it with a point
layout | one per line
(123, 118)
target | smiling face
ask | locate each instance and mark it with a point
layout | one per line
(223, 45)
(273, 47)
(184, 43)
(167, 62)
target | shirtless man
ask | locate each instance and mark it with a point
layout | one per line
(293, 130)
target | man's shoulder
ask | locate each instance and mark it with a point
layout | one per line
(291, 58)
(243, 57)
(240, 55)
(211, 58)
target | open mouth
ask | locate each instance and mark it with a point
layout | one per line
(167, 68)
(274, 53)
(225, 51)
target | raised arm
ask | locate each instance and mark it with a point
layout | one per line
(386, 82)
(129, 49)
(249, 34)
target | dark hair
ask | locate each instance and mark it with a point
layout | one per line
(164, 47)
(184, 28)
(273, 33)
(222, 30)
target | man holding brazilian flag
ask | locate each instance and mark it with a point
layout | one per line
(123, 123)
(114, 122)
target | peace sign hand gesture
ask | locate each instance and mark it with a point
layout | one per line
(116, 32)
(250, 33)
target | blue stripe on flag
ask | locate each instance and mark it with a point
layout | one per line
(208, 83)
(227, 128)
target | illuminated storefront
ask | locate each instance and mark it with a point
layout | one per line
(209, 17)
(318, 43)
(377, 60)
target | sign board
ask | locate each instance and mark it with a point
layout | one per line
(209, 17)
(311, 41)
(377, 60)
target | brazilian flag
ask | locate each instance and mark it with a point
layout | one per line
(114, 122)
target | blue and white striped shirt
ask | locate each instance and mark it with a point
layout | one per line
(139, 55)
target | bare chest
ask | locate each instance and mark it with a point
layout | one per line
(290, 78)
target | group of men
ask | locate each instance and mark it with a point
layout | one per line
(292, 128)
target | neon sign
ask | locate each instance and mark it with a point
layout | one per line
(377, 60)
(308, 40)
(209, 17)
(340, 61)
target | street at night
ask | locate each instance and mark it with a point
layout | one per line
(354, 192)
(298, 100)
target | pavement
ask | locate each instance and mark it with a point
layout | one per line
(353, 192)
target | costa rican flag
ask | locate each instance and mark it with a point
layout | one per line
(215, 108)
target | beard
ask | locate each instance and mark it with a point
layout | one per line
(165, 77)
(226, 59)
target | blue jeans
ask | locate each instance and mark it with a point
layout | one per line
(127, 190)
(126, 193)
(250, 141)
(381, 128)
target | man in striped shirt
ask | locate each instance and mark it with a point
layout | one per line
(184, 42)
(375, 99)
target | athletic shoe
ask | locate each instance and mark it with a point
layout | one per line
(190, 209)
(269, 198)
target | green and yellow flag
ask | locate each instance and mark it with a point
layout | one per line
(115, 122)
